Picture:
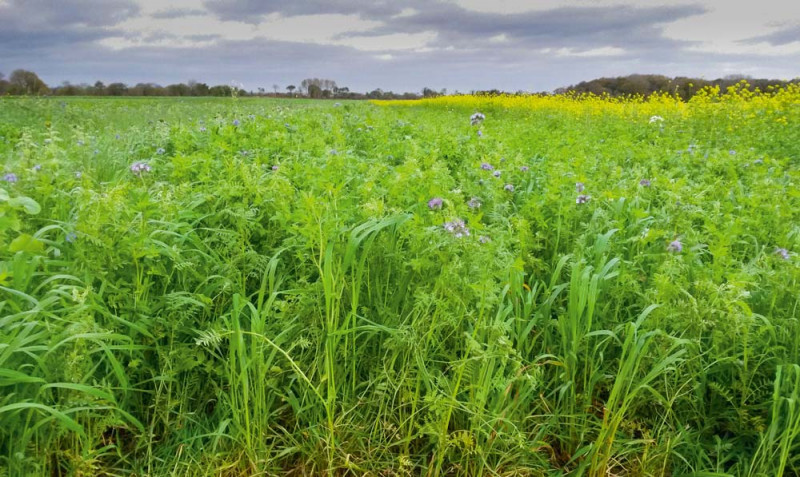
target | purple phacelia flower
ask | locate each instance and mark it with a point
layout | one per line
(71, 237)
(486, 166)
(582, 199)
(275, 167)
(758, 161)
(117, 136)
(457, 227)
(509, 187)
(474, 203)
(476, 119)
(236, 122)
(524, 168)
(160, 150)
(80, 143)
(484, 239)
(496, 173)
(37, 167)
(10, 178)
(579, 187)
(732, 152)
(480, 133)
(675, 246)
(644, 182)
(137, 168)
(435, 203)
(203, 129)
(784, 254)
(78, 175)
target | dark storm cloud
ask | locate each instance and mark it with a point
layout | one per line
(251, 11)
(29, 26)
(21, 14)
(574, 27)
(780, 37)
(585, 28)
(177, 13)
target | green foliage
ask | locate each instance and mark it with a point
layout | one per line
(216, 315)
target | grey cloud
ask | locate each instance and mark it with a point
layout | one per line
(24, 14)
(586, 28)
(780, 37)
(29, 26)
(171, 13)
(252, 11)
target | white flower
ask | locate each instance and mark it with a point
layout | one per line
(656, 119)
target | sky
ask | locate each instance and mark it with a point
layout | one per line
(397, 45)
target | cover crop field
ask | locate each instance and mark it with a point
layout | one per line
(555, 286)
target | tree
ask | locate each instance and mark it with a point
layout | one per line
(314, 91)
(99, 88)
(3, 84)
(275, 87)
(26, 82)
(199, 89)
(117, 89)
(291, 89)
(178, 89)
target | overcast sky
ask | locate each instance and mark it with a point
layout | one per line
(399, 45)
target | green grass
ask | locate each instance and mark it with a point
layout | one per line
(217, 317)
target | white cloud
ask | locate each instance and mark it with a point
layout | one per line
(501, 38)
(394, 41)
(594, 52)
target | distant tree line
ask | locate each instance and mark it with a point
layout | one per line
(23, 82)
(684, 87)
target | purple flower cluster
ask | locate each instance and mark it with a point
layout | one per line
(644, 182)
(10, 178)
(675, 246)
(579, 187)
(37, 167)
(483, 239)
(496, 173)
(160, 150)
(474, 203)
(524, 168)
(476, 118)
(582, 199)
(137, 168)
(457, 227)
(784, 254)
(486, 166)
(236, 122)
(509, 187)
(435, 203)
(275, 167)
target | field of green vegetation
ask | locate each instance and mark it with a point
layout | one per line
(237, 287)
